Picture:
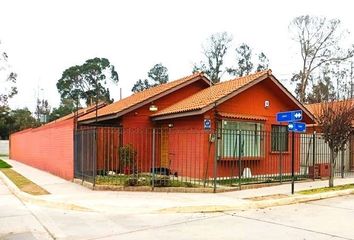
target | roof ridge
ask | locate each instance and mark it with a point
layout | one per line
(213, 93)
(142, 96)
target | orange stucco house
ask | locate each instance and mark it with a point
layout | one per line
(183, 144)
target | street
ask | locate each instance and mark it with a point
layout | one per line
(324, 219)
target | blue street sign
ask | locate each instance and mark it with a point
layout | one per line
(297, 127)
(207, 124)
(291, 116)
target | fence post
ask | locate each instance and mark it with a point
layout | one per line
(342, 164)
(153, 159)
(239, 159)
(82, 158)
(280, 155)
(215, 158)
(313, 154)
(94, 167)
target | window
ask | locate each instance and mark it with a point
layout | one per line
(239, 139)
(279, 138)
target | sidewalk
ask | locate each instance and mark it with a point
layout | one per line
(151, 202)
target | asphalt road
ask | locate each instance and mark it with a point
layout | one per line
(325, 219)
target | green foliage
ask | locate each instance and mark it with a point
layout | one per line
(15, 120)
(4, 164)
(157, 75)
(127, 156)
(7, 80)
(88, 81)
(215, 50)
(263, 62)
(66, 107)
(323, 90)
(326, 189)
(245, 62)
(42, 110)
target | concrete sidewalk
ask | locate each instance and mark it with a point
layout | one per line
(152, 202)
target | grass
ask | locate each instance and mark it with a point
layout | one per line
(327, 189)
(142, 180)
(3, 155)
(4, 164)
(20, 181)
(254, 180)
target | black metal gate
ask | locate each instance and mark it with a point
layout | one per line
(85, 154)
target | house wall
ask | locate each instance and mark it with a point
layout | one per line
(49, 148)
(137, 131)
(250, 102)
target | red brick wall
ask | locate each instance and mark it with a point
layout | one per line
(49, 148)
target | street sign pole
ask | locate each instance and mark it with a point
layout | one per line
(293, 119)
(292, 162)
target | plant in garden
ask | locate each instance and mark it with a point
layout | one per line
(127, 159)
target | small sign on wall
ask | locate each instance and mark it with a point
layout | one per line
(207, 124)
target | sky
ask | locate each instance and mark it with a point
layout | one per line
(44, 37)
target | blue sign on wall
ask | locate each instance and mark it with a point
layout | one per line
(291, 116)
(297, 127)
(207, 124)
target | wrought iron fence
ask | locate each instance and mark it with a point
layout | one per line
(169, 157)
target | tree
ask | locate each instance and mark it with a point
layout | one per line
(7, 80)
(319, 40)
(157, 75)
(42, 110)
(88, 81)
(66, 107)
(4, 122)
(244, 59)
(323, 90)
(335, 119)
(22, 119)
(214, 51)
(263, 62)
(15, 120)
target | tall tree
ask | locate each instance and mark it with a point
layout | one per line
(323, 89)
(88, 81)
(246, 62)
(42, 110)
(263, 62)
(319, 41)
(15, 120)
(157, 75)
(214, 51)
(66, 107)
(7, 79)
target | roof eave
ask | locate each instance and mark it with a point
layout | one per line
(136, 106)
(213, 104)
(297, 102)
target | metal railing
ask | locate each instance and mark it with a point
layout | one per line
(168, 157)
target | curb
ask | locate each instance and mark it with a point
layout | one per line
(28, 198)
(249, 204)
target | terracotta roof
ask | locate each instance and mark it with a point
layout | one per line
(315, 108)
(140, 97)
(241, 116)
(212, 94)
(81, 112)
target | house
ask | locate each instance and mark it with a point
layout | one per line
(187, 127)
(249, 105)
(174, 136)
(345, 162)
